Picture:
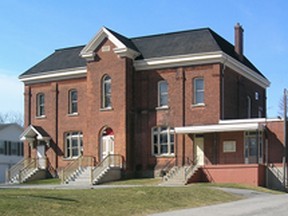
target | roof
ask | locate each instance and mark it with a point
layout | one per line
(3, 126)
(61, 59)
(161, 45)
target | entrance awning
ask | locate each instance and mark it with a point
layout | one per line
(35, 133)
(217, 128)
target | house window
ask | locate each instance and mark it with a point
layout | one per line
(40, 100)
(73, 101)
(253, 147)
(229, 146)
(198, 91)
(2, 147)
(249, 107)
(162, 141)
(73, 144)
(162, 94)
(106, 92)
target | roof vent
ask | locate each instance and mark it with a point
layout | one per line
(238, 47)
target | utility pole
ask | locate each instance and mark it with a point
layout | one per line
(285, 140)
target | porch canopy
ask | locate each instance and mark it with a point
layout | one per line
(221, 127)
(35, 133)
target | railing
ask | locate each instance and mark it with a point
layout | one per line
(15, 170)
(279, 174)
(188, 171)
(168, 166)
(71, 168)
(23, 173)
(113, 160)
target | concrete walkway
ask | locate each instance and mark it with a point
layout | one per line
(255, 204)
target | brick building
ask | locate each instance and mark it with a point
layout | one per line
(187, 99)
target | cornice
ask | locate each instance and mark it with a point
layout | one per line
(54, 75)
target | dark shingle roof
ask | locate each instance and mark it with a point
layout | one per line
(59, 60)
(170, 44)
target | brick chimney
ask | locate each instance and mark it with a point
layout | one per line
(238, 46)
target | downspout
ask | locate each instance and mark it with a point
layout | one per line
(223, 90)
(56, 126)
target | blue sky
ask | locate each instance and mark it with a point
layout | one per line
(31, 30)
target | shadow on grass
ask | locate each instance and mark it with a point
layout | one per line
(55, 198)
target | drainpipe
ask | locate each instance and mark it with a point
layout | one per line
(285, 140)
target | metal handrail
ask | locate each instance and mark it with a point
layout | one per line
(71, 168)
(190, 169)
(27, 169)
(15, 169)
(112, 160)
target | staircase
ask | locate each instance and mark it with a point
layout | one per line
(23, 171)
(108, 170)
(80, 172)
(180, 175)
(81, 177)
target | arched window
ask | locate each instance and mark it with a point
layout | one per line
(162, 93)
(106, 92)
(73, 101)
(40, 107)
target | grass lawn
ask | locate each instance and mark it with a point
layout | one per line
(116, 201)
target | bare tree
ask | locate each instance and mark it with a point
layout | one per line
(12, 117)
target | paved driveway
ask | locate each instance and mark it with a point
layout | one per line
(255, 204)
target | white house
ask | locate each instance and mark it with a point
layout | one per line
(11, 148)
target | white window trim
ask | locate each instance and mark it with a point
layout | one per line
(169, 132)
(232, 146)
(195, 92)
(164, 106)
(38, 105)
(70, 101)
(103, 92)
(69, 135)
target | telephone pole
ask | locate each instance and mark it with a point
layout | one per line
(285, 140)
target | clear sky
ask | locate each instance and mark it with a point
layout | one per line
(31, 30)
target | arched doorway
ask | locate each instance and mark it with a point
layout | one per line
(106, 143)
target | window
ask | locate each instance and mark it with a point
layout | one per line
(198, 91)
(73, 144)
(249, 107)
(162, 141)
(73, 102)
(2, 147)
(40, 100)
(162, 94)
(106, 92)
(229, 146)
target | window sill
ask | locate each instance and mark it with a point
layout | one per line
(71, 158)
(162, 108)
(41, 117)
(164, 156)
(106, 109)
(73, 114)
(198, 105)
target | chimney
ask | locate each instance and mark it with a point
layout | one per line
(238, 46)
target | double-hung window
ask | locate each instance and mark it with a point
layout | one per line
(162, 94)
(40, 107)
(73, 144)
(162, 141)
(106, 92)
(73, 101)
(198, 91)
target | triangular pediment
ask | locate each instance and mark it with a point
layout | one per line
(34, 133)
(121, 48)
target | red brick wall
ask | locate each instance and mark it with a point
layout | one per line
(275, 136)
(237, 88)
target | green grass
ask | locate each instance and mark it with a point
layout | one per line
(140, 181)
(53, 181)
(108, 202)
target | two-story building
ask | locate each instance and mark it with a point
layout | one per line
(176, 102)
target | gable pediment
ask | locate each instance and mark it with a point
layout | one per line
(121, 49)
